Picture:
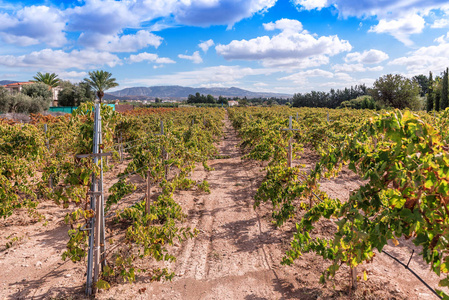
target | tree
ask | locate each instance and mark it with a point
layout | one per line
(66, 96)
(40, 95)
(210, 99)
(444, 102)
(75, 94)
(243, 102)
(424, 84)
(37, 90)
(157, 100)
(22, 103)
(100, 81)
(49, 79)
(84, 93)
(430, 98)
(396, 91)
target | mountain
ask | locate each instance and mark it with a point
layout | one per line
(181, 92)
(5, 82)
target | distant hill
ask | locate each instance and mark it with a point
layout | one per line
(181, 92)
(5, 82)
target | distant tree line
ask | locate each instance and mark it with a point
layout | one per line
(209, 99)
(200, 98)
(333, 99)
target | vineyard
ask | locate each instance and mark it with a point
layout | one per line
(248, 203)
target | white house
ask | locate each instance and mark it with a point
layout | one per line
(17, 88)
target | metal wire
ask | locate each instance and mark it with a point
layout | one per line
(416, 275)
(405, 265)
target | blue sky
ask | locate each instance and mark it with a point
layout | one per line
(285, 46)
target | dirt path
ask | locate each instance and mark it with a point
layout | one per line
(231, 257)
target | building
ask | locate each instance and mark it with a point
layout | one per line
(16, 87)
(233, 103)
(54, 94)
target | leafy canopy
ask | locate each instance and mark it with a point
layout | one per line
(51, 80)
(101, 81)
(396, 91)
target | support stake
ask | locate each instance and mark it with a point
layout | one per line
(290, 142)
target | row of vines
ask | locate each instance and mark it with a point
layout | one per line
(40, 165)
(402, 158)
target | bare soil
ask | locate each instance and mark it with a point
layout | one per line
(236, 255)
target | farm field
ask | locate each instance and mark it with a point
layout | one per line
(221, 165)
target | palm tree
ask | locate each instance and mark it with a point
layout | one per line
(51, 80)
(100, 81)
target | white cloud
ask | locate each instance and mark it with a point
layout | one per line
(109, 17)
(441, 23)
(371, 56)
(349, 68)
(195, 57)
(8, 76)
(150, 57)
(72, 76)
(318, 79)
(310, 4)
(225, 75)
(284, 25)
(54, 60)
(289, 46)
(218, 12)
(124, 43)
(260, 84)
(354, 68)
(215, 85)
(33, 25)
(442, 39)
(103, 17)
(206, 45)
(289, 64)
(425, 59)
(401, 28)
(367, 8)
(303, 76)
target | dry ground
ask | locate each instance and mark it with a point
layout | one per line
(236, 255)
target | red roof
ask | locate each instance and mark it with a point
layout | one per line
(18, 83)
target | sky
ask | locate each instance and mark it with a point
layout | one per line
(283, 46)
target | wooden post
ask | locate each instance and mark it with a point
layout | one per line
(164, 153)
(289, 154)
(354, 278)
(327, 117)
(47, 143)
(121, 147)
(290, 142)
(148, 194)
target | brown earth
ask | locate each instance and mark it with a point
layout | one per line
(236, 255)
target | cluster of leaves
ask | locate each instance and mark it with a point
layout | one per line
(22, 151)
(39, 165)
(263, 137)
(404, 160)
(150, 153)
(34, 98)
